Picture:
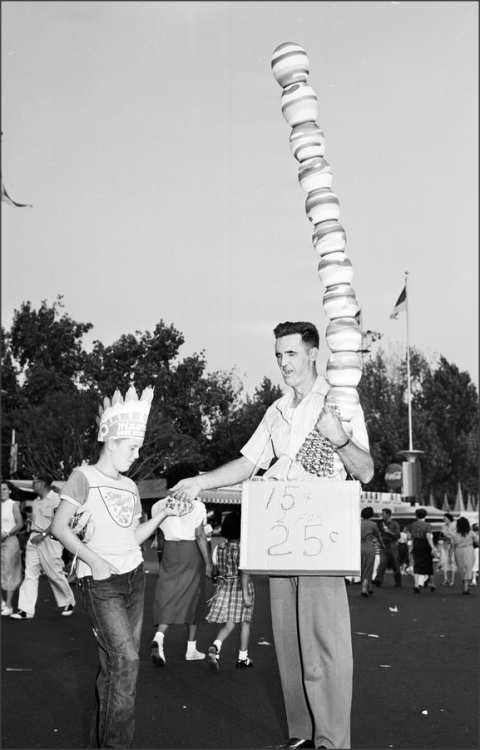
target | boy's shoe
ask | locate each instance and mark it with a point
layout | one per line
(213, 657)
(67, 611)
(192, 655)
(244, 663)
(21, 615)
(6, 611)
(156, 654)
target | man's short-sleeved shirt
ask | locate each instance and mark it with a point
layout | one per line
(43, 510)
(284, 429)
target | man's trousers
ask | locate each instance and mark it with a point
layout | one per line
(312, 634)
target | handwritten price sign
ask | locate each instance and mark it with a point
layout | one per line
(301, 528)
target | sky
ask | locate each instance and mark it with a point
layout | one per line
(150, 141)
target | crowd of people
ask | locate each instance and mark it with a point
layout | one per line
(98, 519)
(456, 551)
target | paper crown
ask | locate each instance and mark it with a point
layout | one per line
(124, 418)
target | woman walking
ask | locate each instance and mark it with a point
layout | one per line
(369, 534)
(12, 523)
(447, 556)
(423, 550)
(464, 540)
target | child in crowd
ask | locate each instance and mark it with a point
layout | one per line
(233, 601)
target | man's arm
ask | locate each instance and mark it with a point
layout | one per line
(231, 473)
(356, 460)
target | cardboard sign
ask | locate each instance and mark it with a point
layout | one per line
(300, 528)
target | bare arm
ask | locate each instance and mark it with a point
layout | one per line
(18, 522)
(356, 460)
(226, 475)
(202, 543)
(430, 541)
(247, 599)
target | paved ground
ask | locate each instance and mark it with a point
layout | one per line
(415, 682)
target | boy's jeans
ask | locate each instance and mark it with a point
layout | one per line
(115, 608)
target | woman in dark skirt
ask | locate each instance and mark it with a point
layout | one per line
(423, 550)
(369, 534)
(185, 561)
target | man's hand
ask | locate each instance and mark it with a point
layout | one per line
(329, 425)
(37, 539)
(187, 489)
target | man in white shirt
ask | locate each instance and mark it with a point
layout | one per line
(43, 552)
(310, 614)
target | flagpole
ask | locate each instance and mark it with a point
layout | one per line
(410, 439)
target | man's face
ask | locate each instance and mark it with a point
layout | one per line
(385, 516)
(38, 485)
(295, 360)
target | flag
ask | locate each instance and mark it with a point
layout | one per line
(401, 304)
(6, 199)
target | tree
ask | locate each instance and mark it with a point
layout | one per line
(231, 433)
(444, 411)
(47, 347)
(54, 388)
(448, 406)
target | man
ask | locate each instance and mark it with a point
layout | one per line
(389, 553)
(43, 553)
(310, 615)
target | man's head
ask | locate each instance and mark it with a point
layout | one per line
(42, 484)
(386, 513)
(296, 350)
(307, 331)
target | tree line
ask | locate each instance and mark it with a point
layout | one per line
(51, 389)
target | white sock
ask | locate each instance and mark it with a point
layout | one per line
(243, 655)
(159, 636)
(191, 647)
(218, 644)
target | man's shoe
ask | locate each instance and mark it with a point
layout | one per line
(376, 583)
(213, 657)
(243, 663)
(7, 611)
(156, 654)
(21, 615)
(67, 611)
(193, 655)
